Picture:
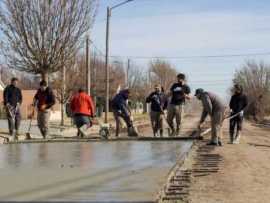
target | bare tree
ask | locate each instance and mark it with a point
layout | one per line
(41, 36)
(26, 81)
(162, 72)
(255, 79)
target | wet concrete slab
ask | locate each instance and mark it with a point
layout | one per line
(120, 171)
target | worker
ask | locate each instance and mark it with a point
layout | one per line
(12, 101)
(159, 103)
(212, 106)
(179, 92)
(238, 103)
(44, 100)
(121, 110)
(83, 109)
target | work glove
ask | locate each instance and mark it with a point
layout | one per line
(241, 113)
(43, 107)
(8, 105)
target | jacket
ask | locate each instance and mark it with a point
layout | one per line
(46, 97)
(119, 102)
(211, 104)
(12, 95)
(238, 103)
(158, 101)
(82, 103)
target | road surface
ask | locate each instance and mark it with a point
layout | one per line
(96, 171)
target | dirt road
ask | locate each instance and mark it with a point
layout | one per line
(243, 174)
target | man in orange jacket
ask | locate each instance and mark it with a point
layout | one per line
(82, 107)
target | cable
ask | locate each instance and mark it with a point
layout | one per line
(192, 57)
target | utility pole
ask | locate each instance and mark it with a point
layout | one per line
(95, 79)
(127, 72)
(107, 65)
(63, 92)
(88, 66)
(109, 10)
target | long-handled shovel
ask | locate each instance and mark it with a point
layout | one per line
(12, 115)
(28, 135)
(199, 133)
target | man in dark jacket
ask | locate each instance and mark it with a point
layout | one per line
(44, 100)
(212, 106)
(179, 93)
(12, 101)
(158, 102)
(121, 110)
(237, 105)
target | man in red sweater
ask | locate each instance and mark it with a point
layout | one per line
(82, 107)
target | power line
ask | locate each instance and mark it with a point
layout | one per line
(194, 57)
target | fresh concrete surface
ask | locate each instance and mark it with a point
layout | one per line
(121, 171)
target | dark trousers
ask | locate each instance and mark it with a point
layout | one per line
(235, 123)
(117, 116)
(14, 120)
(157, 122)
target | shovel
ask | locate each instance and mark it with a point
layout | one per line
(27, 135)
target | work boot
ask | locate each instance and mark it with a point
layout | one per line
(161, 133)
(132, 132)
(212, 143)
(83, 129)
(172, 132)
(231, 139)
(177, 132)
(220, 143)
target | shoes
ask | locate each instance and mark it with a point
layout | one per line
(161, 133)
(177, 132)
(220, 143)
(83, 130)
(132, 132)
(212, 143)
(172, 133)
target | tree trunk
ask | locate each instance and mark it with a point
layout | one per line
(45, 76)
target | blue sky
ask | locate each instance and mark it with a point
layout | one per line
(189, 28)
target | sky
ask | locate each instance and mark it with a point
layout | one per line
(185, 29)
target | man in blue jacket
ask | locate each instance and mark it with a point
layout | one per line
(121, 110)
(159, 103)
(12, 101)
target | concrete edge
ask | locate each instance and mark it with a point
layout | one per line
(98, 139)
(179, 164)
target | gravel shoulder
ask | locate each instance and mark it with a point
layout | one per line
(243, 171)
